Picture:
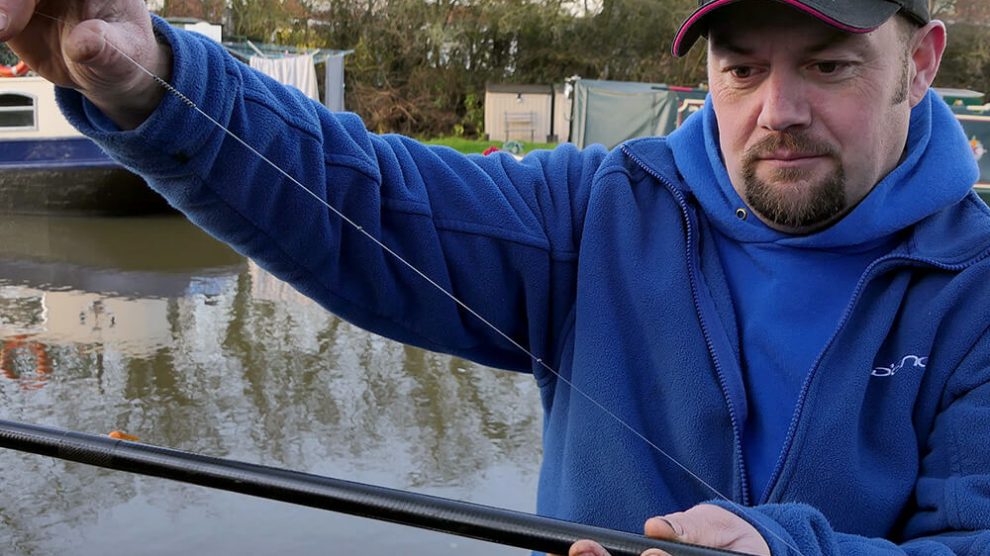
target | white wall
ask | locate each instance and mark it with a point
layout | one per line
(50, 122)
(215, 32)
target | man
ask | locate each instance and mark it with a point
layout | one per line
(781, 309)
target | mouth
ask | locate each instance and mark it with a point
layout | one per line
(790, 161)
(790, 156)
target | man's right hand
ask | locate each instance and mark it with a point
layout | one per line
(79, 44)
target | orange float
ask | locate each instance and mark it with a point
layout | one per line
(16, 70)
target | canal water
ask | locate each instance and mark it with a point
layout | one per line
(151, 327)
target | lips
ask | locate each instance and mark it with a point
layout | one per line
(789, 156)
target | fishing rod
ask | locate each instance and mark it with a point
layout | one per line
(445, 515)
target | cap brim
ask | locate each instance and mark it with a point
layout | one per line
(851, 16)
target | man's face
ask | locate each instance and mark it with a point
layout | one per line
(809, 118)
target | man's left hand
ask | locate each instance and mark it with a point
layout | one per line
(704, 525)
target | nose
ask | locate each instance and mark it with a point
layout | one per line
(785, 103)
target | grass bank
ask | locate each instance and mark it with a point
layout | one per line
(469, 146)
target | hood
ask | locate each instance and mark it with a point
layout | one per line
(937, 172)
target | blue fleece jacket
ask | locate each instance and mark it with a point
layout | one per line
(602, 264)
(777, 278)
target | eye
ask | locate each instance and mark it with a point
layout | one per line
(741, 72)
(827, 67)
(830, 67)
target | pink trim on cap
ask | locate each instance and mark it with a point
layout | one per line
(794, 3)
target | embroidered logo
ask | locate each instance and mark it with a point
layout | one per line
(907, 362)
(978, 149)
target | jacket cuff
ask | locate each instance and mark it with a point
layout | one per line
(165, 143)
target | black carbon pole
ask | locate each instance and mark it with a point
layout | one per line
(465, 519)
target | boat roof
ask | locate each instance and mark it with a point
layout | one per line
(246, 49)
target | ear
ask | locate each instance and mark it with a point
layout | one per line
(928, 47)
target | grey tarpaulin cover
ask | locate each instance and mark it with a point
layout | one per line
(610, 112)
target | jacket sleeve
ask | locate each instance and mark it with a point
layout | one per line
(951, 512)
(291, 183)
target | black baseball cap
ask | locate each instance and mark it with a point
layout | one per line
(852, 16)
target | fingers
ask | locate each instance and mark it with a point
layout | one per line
(14, 17)
(587, 548)
(591, 548)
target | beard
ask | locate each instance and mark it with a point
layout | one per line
(790, 198)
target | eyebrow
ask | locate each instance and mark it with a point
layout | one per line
(723, 44)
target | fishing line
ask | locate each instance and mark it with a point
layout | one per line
(359, 228)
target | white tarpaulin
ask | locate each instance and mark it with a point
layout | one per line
(297, 71)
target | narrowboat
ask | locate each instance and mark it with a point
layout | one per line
(975, 121)
(47, 167)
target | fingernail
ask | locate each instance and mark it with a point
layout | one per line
(3, 22)
(673, 527)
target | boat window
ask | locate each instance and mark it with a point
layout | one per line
(17, 111)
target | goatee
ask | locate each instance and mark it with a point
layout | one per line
(821, 201)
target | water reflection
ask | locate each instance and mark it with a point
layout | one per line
(151, 327)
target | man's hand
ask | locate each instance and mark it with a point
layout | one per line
(78, 44)
(704, 525)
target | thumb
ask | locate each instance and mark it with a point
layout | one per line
(99, 51)
(665, 527)
(708, 525)
(96, 63)
(87, 44)
(116, 65)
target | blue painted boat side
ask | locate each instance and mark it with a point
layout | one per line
(52, 153)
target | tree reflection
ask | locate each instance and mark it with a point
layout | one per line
(238, 365)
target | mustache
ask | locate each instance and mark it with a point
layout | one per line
(793, 141)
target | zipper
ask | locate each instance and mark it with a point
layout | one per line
(693, 280)
(868, 275)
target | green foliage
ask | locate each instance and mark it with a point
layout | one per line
(966, 64)
(420, 66)
(7, 57)
(474, 114)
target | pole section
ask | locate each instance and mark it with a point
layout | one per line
(464, 519)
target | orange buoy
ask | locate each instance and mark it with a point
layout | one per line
(120, 435)
(42, 361)
(16, 70)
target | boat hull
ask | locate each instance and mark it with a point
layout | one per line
(70, 176)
